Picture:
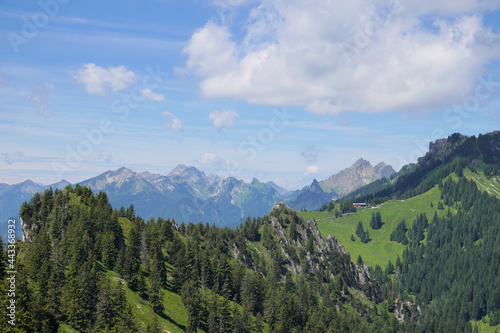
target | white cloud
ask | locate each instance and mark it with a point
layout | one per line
(172, 123)
(39, 96)
(211, 51)
(100, 81)
(312, 169)
(214, 163)
(208, 159)
(368, 56)
(151, 95)
(223, 119)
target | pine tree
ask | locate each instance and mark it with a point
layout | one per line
(156, 296)
(376, 221)
(158, 269)
(191, 300)
(109, 250)
(132, 261)
(390, 268)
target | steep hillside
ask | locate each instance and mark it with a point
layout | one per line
(86, 267)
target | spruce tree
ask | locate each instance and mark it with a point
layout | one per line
(191, 300)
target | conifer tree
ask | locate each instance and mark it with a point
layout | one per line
(191, 300)
(156, 296)
(132, 260)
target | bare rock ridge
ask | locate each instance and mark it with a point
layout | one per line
(359, 174)
(307, 231)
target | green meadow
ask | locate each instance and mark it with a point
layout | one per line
(380, 249)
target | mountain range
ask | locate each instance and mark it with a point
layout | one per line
(440, 223)
(188, 194)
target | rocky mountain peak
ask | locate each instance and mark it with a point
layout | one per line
(361, 164)
(29, 186)
(60, 185)
(188, 174)
(440, 149)
(315, 187)
(384, 170)
(179, 170)
(278, 206)
(358, 174)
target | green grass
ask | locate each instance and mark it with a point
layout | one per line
(484, 326)
(492, 186)
(174, 316)
(126, 226)
(66, 329)
(380, 249)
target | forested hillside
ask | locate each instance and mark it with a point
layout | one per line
(442, 235)
(88, 267)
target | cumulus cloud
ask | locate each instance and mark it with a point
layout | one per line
(223, 119)
(100, 81)
(151, 95)
(312, 169)
(368, 56)
(39, 95)
(208, 159)
(172, 122)
(214, 163)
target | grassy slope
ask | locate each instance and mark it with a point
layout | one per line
(489, 185)
(380, 249)
(174, 317)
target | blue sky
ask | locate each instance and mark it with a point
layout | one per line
(284, 91)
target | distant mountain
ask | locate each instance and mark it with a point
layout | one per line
(188, 194)
(282, 191)
(310, 197)
(359, 174)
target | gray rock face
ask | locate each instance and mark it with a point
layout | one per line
(359, 174)
(325, 246)
(495, 146)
